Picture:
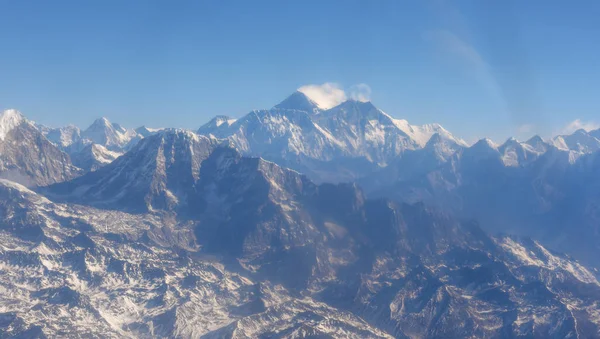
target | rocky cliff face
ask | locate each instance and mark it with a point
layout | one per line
(159, 173)
(27, 157)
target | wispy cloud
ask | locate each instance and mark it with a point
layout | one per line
(326, 95)
(456, 45)
(360, 92)
(467, 54)
(331, 94)
(577, 124)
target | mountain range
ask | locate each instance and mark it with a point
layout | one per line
(296, 222)
(340, 144)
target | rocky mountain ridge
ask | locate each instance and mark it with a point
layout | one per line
(263, 251)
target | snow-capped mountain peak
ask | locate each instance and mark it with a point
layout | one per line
(223, 119)
(100, 123)
(422, 134)
(356, 109)
(297, 133)
(580, 141)
(104, 123)
(487, 143)
(9, 119)
(510, 141)
(482, 149)
(442, 147)
(537, 143)
(216, 125)
(64, 136)
(516, 153)
(299, 101)
(144, 131)
(110, 135)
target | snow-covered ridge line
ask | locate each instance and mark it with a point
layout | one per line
(297, 133)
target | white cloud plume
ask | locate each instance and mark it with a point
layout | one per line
(331, 94)
(326, 95)
(578, 124)
(360, 92)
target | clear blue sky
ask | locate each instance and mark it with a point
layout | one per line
(480, 68)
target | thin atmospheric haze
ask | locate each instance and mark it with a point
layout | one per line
(308, 169)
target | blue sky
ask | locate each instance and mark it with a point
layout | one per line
(480, 68)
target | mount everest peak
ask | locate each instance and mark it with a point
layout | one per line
(299, 101)
(319, 142)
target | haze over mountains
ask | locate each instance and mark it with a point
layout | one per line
(296, 221)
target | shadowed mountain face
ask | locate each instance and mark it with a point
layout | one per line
(256, 249)
(93, 156)
(79, 271)
(159, 173)
(532, 189)
(27, 157)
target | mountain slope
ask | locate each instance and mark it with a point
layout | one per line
(288, 137)
(413, 164)
(110, 135)
(77, 271)
(366, 131)
(532, 189)
(63, 137)
(408, 270)
(160, 172)
(515, 153)
(217, 126)
(93, 156)
(27, 157)
(276, 133)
